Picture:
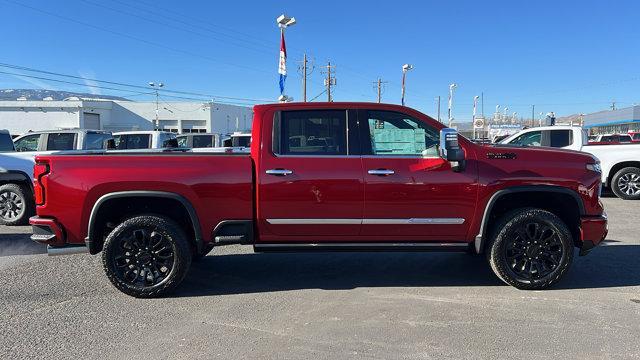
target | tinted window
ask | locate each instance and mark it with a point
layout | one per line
(530, 139)
(61, 141)
(183, 141)
(132, 141)
(607, 138)
(636, 136)
(561, 138)
(28, 143)
(397, 134)
(239, 141)
(313, 133)
(95, 141)
(202, 141)
(6, 144)
(625, 138)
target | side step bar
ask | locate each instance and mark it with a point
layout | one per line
(355, 247)
(66, 250)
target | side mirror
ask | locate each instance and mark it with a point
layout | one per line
(450, 149)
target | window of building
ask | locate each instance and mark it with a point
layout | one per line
(397, 134)
(322, 132)
(28, 143)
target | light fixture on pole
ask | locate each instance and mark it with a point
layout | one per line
(156, 87)
(405, 69)
(451, 88)
(283, 22)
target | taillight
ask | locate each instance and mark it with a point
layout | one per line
(40, 169)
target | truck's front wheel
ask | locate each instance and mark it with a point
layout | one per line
(531, 250)
(626, 183)
(146, 256)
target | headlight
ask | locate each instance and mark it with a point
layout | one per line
(594, 168)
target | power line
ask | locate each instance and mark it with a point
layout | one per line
(24, 68)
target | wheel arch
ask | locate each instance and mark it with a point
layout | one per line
(619, 166)
(575, 207)
(16, 177)
(102, 209)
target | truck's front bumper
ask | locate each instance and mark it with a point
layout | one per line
(593, 230)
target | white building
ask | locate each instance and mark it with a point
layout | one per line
(113, 115)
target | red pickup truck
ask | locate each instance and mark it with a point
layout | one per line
(323, 177)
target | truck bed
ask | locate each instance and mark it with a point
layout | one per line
(219, 186)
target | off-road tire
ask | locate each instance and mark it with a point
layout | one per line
(21, 195)
(618, 179)
(508, 240)
(120, 254)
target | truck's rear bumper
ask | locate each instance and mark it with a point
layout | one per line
(593, 230)
(47, 231)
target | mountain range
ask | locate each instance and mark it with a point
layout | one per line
(56, 95)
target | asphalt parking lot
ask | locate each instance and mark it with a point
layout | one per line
(239, 305)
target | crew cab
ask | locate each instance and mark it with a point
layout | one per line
(620, 162)
(16, 167)
(323, 177)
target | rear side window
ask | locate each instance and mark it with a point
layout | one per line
(241, 141)
(625, 138)
(636, 136)
(321, 132)
(28, 143)
(202, 141)
(183, 141)
(132, 141)
(96, 141)
(61, 141)
(561, 138)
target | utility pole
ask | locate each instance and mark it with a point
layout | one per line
(378, 85)
(533, 115)
(613, 105)
(304, 71)
(156, 87)
(439, 108)
(329, 81)
(482, 103)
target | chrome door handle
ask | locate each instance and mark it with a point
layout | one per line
(381, 172)
(279, 172)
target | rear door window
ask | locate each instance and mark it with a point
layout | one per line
(132, 141)
(561, 138)
(96, 141)
(202, 141)
(321, 132)
(61, 141)
(28, 143)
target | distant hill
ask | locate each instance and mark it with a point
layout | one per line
(39, 94)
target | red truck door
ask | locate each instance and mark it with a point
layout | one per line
(411, 193)
(310, 179)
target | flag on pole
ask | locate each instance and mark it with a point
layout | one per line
(282, 66)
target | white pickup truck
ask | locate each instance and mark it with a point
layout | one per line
(620, 163)
(16, 165)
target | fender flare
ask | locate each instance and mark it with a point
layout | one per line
(14, 176)
(197, 230)
(481, 237)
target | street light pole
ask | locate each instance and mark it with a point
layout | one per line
(155, 88)
(451, 88)
(405, 69)
(283, 22)
(473, 118)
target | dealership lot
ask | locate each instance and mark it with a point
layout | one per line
(236, 304)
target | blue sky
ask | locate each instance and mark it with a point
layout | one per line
(563, 56)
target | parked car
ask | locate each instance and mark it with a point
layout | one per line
(16, 168)
(199, 140)
(390, 178)
(131, 140)
(620, 162)
(635, 136)
(611, 139)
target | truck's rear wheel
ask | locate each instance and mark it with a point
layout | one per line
(146, 256)
(531, 250)
(626, 183)
(16, 204)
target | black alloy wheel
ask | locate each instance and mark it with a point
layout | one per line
(531, 249)
(146, 256)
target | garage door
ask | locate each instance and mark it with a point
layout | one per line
(91, 121)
